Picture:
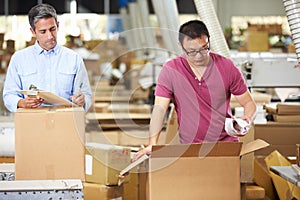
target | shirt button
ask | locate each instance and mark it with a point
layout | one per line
(195, 77)
(199, 83)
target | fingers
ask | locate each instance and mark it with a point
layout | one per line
(78, 99)
(29, 102)
(142, 152)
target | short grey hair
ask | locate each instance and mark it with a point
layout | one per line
(41, 11)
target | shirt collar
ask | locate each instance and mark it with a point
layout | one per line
(40, 50)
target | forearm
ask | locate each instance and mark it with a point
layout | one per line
(250, 111)
(156, 123)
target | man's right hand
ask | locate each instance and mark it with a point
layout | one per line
(29, 102)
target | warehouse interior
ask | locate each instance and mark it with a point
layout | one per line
(64, 153)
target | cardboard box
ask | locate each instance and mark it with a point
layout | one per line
(282, 137)
(94, 191)
(284, 188)
(262, 177)
(257, 41)
(131, 188)
(104, 163)
(207, 170)
(134, 137)
(49, 143)
(103, 137)
(247, 161)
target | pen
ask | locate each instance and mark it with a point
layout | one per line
(80, 86)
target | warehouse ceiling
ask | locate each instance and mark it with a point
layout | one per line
(21, 7)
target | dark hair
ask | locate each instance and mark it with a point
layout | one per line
(192, 29)
(41, 11)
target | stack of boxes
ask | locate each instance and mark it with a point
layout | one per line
(103, 164)
(50, 145)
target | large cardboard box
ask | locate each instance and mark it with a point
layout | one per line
(207, 170)
(104, 163)
(282, 137)
(94, 191)
(49, 143)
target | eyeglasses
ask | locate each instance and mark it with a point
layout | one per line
(202, 51)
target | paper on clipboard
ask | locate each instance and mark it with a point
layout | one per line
(49, 97)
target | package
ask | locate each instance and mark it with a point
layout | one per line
(281, 136)
(94, 191)
(49, 143)
(104, 163)
(261, 177)
(285, 189)
(199, 170)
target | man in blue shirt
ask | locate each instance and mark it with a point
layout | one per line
(46, 65)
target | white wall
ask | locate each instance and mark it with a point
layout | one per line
(228, 8)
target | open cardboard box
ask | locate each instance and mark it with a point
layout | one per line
(205, 170)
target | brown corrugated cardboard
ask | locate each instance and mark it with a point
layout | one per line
(94, 191)
(285, 189)
(104, 163)
(255, 192)
(261, 177)
(49, 143)
(281, 136)
(247, 161)
(257, 41)
(103, 137)
(199, 170)
(131, 188)
(286, 118)
(134, 137)
(288, 108)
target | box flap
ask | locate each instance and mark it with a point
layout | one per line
(197, 150)
(253, 146)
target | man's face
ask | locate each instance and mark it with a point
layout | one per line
(46, 33)
(196, 50)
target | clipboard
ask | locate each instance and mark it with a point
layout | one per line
(49, 97)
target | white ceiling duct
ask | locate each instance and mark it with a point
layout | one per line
(207, 13)
(148, 32)
(292, 10)
(160, 11)
(126, 26)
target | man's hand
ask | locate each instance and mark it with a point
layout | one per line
(143, 151)
(30, 102)
(78, 99)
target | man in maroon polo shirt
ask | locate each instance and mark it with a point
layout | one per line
(200, 83)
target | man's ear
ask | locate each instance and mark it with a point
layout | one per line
(32, 31)
(179, 44)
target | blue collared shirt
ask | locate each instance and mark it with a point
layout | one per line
(59, 70)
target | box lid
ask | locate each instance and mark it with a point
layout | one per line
(197, 150)
(208, 149)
